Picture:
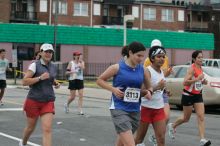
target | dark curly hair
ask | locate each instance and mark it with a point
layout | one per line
(134, 47)
(195, 54)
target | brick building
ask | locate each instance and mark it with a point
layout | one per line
(98, 13)
(168, 17)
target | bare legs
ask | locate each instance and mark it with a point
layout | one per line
(80, 101)
(30, 126)
(159, 129)
(187, 111)
(200, 112)
(73, 96)
(167, 112)
(141, 132)
(125, 139)
(46, 125)
(2, 91)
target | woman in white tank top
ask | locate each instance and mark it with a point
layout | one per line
(75, 71)
(152, 111)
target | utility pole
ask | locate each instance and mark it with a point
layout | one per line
(50, 11)
(55, 30)
(127, 18)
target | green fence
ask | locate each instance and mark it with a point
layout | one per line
(30, 33)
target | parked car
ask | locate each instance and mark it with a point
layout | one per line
(209, 62)
(212, 62)
(211, 91)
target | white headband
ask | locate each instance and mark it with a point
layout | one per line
(157, 51)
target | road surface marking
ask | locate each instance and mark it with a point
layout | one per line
(17, 139)
(11, 86)
(12, 102)
(10, 109)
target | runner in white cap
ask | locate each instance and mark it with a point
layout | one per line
(39, 103)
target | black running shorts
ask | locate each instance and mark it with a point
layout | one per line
(189, 100)
(76, 84)
(2, 84)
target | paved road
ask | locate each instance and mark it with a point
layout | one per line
(94, 128)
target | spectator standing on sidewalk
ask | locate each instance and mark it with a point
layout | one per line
(37, 55)
(40, 99)
(128, 77)
(192, 98)
(75, 71)
(4, 66)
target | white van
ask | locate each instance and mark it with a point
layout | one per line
(211, 62)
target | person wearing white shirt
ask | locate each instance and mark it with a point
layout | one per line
(3, 68)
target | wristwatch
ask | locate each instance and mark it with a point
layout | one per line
(39, 78)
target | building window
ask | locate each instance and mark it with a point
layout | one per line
(97, 9)
(62, 7)
(25, 52)
(150, 14)
(20, 6)
(135, 11)
(167, 15)
(188, 18)
(180, 15)
(43, 5)
(105, 10)
(199, 17)
(13, 6)
(80, 9)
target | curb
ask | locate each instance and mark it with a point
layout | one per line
(27, 88)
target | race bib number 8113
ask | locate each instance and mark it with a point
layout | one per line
(132, 95)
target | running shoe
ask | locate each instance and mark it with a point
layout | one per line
(66, 108)
(152, 139)
(171, 131)
(140, 144)
(81, 112)
(1, 103)
(204, 142)
(20, 144)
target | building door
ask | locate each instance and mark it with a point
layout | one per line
(120, 12)
(120, 15)
(106, 19)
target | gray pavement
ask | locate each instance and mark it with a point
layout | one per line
(94, 128)
(88, 92)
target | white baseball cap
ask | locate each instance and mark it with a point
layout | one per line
(46, 47)
(156, 42)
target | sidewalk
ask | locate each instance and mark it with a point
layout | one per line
(88, 92)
